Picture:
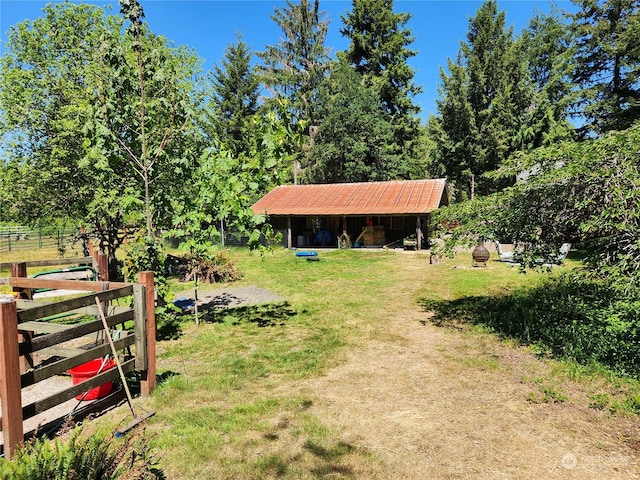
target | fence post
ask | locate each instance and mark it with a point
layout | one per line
(20, 270)
(10, 391)
(103, 266)
(148, 380)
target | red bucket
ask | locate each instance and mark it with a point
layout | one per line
(89, 370)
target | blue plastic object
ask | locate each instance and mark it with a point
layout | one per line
(306, 254)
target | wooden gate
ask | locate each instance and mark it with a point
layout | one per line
(27, 331)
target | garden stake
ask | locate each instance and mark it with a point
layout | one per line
(136, 418)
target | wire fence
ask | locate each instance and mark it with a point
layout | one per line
(16, 238)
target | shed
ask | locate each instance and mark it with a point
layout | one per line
(380, 213)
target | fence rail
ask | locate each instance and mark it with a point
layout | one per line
(14, 238)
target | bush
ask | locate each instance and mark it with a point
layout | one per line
(570, 316)
(81, 457)
(208, 265)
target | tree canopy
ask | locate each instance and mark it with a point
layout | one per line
(233, 98)
(92, 116)
(584, 192)
(484, 99)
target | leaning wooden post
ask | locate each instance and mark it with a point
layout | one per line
(10, 392)
(148, 381)
(20, 270)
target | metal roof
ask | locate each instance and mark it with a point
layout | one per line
(373, 198)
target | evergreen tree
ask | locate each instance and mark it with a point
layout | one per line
(296, 66)
(234, 98)
(548, 44)
(379, 51)
(485, 97)
(452, 130)
(353, 138)
(607, 69)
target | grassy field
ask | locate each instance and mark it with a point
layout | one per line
(233, 402)
(234, 398)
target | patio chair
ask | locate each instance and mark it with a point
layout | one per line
(559, 257)
(511, 257)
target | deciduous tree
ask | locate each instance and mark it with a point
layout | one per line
(81, 140)
(584, 192)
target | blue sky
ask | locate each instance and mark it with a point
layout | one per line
(208, 26)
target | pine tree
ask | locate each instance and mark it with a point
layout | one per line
(234, 97)
(294, 70)
(548, 44)
(485, 97)
(353, 138)
(296, 66)
(379, 51)
(452, 130)
(607, 69)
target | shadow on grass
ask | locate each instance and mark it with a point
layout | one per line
(264, 315)
(331, 457)
(567, 317)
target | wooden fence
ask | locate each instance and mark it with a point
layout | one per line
(27, 332)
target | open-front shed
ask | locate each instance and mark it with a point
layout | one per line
(371, 214)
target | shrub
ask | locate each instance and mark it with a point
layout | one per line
(82, 457)
(570, 316)
(208, 265)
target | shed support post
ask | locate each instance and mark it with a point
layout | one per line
(10, 390)
(148, 379)
(418, 234)
(289, 234)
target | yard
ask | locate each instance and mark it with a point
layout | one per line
(349, 379)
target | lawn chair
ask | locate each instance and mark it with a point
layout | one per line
(510, 257)
(559, 257)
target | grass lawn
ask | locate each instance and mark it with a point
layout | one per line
(234, 402)
(236, 399)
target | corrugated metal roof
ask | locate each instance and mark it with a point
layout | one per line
(373, 198)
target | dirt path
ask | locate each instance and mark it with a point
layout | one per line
(434, 403)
